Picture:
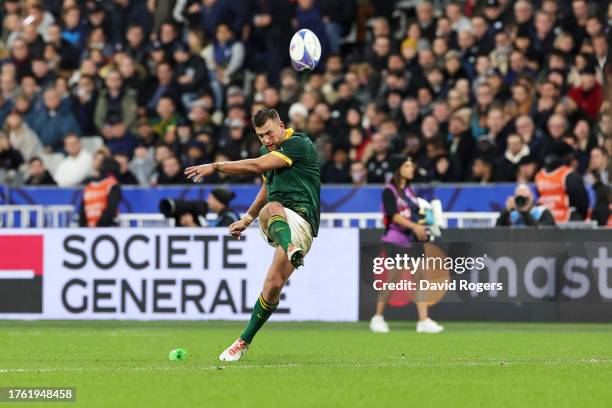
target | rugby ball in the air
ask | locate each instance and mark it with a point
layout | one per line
(304, 50)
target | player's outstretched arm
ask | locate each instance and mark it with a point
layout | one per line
(240, 167)
(237, 227)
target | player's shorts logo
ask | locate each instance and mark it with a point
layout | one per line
(21, 272)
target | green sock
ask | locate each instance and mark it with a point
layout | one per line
(261, 312)
(279, 231)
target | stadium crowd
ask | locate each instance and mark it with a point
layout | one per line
(478, 91)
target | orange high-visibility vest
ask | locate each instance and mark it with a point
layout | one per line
(552, 191)
(95, 199)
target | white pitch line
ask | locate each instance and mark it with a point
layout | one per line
(408, 363)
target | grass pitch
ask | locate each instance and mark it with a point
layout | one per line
(125, 364)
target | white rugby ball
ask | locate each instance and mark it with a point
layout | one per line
(304, 50)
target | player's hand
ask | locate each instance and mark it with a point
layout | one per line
(420, 232)
(196, 173)
(236, 228)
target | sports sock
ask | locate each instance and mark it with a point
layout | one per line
(261, 312)
(279, 231)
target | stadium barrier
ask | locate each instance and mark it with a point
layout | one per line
(334, 198)
(202, 274)
(62, 216)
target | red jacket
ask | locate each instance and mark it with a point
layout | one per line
(588, 101)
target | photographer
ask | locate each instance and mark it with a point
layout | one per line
(520, 210)
(218, 202)
(192, 214)
(185, 213)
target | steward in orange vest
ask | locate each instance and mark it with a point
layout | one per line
(561, 188)
(101, 198)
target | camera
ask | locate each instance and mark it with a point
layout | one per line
(520, 201)
(172, 208)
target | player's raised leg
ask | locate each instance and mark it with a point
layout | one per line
(266, 304)
(273, 219)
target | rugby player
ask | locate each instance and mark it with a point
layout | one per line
(288, 207)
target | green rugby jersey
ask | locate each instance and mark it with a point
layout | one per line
(297, 186)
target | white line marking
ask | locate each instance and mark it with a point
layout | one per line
(16, 274)
(407, 363)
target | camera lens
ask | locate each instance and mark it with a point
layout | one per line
(520, 201)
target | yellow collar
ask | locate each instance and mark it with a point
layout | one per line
(288, 133)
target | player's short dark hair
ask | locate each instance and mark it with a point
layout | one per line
(262, 116)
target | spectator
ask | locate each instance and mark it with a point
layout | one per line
(378, 166)
(589, 94)
(460, 141)
(507, 166)
(218, 202)
(530, 135)
(359, 173)
(21, 137)
(117, 137)
(77, 164)
(135, 43)
(115, 101)
(38, 174)
(124, 176)
(271, 22)
(482, 170)
(521, 210)
(445, 170)
(100, 154)
(68, 53)
(426, 20)
(142, 165)
(166, 120)
(53, 122)
(191, 73)
(542, 34)
(599, 179)
(484, 99)
(20, 58)
(337, 170)
(585, 142)
(557, 128)
(41, 72)
(73, 30)
(338, 16)
(599, 166)
(84, 103)
(459, 22)
(308, 15)
(162, 86)
(171, 172)
(411, 119)
(496, 133)
(10, 158)
(224, 59)
(232, 140)
(527, 169)
(101, 198)
(201, 119)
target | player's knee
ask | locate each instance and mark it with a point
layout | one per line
(273, 208)
(273, 287)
